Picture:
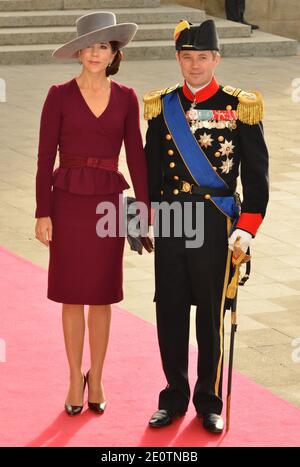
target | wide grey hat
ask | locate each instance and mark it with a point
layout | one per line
(96, 27)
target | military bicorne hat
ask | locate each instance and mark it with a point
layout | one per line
(190, 37)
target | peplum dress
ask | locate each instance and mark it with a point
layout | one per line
(85, 268)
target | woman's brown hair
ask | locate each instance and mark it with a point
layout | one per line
(114, 67)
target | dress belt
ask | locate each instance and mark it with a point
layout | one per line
(68, 161)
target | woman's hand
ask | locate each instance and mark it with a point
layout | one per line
(43, 230)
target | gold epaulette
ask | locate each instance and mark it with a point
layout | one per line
(250, 109)
(152, 101)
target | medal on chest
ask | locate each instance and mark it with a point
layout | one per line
(204, 118)
(219, 119)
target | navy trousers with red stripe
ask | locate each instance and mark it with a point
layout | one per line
(184, 277)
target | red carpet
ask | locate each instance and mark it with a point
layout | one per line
(33, 382)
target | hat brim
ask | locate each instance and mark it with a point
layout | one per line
(121, 33)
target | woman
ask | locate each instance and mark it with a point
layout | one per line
(88, 118)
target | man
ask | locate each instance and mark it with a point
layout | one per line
(235, 10)
(199, 135)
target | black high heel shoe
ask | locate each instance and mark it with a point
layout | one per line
(97, 407)
(75, 409)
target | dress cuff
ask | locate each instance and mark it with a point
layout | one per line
(249, 222)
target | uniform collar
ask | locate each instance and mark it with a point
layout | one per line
(203, 94)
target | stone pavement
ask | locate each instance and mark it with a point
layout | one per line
(269, 304)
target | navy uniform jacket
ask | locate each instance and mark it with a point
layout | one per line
(237, 149)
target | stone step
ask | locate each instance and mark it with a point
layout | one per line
(31, 5)
(259, 44)
(62, 34)
(164, 14)
(230, 28)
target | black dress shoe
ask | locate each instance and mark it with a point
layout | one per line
(163, 418)
(212, 422)
(253, 26)
(75, 409)
(97, 407)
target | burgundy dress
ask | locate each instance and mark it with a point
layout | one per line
(83, 267)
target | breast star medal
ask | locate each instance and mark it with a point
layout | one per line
(205, 140)
(226, 166)
(226, 148)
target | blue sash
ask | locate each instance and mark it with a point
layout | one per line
(193, 156)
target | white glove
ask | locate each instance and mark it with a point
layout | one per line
(245, 239)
